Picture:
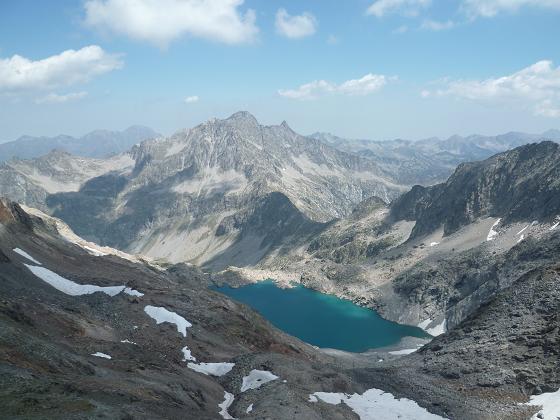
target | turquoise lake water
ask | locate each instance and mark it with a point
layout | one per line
(322, 320)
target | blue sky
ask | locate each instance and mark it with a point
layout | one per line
(358, 68)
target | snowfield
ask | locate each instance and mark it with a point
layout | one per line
(69, 287)
(256, 379)
(161, 315)
(26, 255)
(375, 404)
(550, 403)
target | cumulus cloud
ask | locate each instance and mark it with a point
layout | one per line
(434, 25)
(490, 8)
(294, 27)
(67, 68)
(161, 21)
(191, 99)
(537, 86)
(380, 8)
(55, 98)
(368, 84)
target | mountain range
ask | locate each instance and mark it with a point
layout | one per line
(89, 331)
(432, 160)
(97, 144)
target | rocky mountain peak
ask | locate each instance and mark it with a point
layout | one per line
(244, 117)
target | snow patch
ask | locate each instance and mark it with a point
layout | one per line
(187, 355)
(249, 409)
(521, 238)
(93, 251)
(161, 315)
(376, 404)
(102, 355)
(434, 243)
(69, 287)
(228, 401)
(126, 341)
(492, 234)
(212, 369)
(132, 292)
(402, 352)
(550, 403)
(26, 255)
(256, 379)
(555, 225)
(438, 329)
(424, 324)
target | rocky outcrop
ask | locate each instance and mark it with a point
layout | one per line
(459, 285)
(504, 353)
(522, 184)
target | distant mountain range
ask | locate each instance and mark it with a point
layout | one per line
(432, 160)
(97, 144)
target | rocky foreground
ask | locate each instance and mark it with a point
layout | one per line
(86, 335)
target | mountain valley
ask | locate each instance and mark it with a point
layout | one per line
(232, 202)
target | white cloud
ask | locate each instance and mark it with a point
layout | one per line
(67, 68)
(55, 98)
(380, 8)
(547, 108)
(161, 21)
(490, 8)
(294, 27)
(537, 86)
(191, 99)
(434, 25)
(333, 40)
(357, 87)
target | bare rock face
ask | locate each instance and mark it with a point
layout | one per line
(31, 182)
(522, 184)
(12, 213)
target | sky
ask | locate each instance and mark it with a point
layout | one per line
(369, 69)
